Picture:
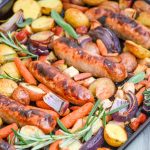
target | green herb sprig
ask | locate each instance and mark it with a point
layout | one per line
(17, 46)
(146, 94)
(67, 27)
(7, 76)
(28, 21)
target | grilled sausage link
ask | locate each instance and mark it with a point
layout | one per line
(60, 83)
(128, 29)
(85, 62)
(12, 111)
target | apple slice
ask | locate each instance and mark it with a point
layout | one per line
(35, 92)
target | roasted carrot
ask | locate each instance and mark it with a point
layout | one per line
(43, 58)
(44, 88)
(69, 120)
(11, 138)
(28, 77)
(26, 62)
(82, 76)
(42, 104)
(66, 112)
(74, 108)
(51, 112)
(139, 96)
(55, 145)
(4, 132)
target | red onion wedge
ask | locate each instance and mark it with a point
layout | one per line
(10, 25)
(128, 113)
(56, 103)
(95, 142)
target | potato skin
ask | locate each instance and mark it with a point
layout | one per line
(93, 2)
(21, 96)
(42, 24)
(31, 8)
(100, 88)
(11, 69)
(129, 61)
(115, 135)
(76, 18)
(48, 5)
(7, 87)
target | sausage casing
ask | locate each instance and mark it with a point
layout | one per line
(97, 65)
(12, 111)
(60, 83)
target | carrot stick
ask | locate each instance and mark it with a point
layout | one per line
(55, 145)
(44, 88)
(43, 58)
(74, 108)
(139, 96)
(4, 132)
(27, 62)
(69, 120)
(43, 105)
(28, 77)
(51, 112)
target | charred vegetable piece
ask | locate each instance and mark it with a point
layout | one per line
(58, 104)
(95, 142)
(108, 37)
(126, 115)
(10, 25)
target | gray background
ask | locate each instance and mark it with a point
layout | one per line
(142, 142)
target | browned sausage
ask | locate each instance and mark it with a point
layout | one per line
(128, 29)
(12, 111)
(60, 83)
(85, 62)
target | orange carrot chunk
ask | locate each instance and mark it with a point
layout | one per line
(139, 96)
(44, 88)
(4, 132)
(28, 77)
(69, 120)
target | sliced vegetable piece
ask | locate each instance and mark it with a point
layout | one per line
(137, 50)
(115, 135)
(35, 93)
(137, 78)
(28, 21)
(71, 72)
(42, 24)
(30, 8)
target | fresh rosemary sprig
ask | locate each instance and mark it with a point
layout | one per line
(41, 141)
(7, 76)
(17, 46)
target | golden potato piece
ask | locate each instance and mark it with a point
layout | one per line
(42, 24)
(31, 8)
(93, 2)
(6, 53)
(48, 5)
(115, 135)
(137, 50)
(143, 18)
(11, 69)
(7, 87)
(76, 18)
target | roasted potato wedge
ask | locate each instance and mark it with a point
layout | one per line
(137, 50)
(11, 69)
(35, 92)
(7, 87)
(42, 24)
(6, 53)
(93, 2)
(100, 88)
(115, 135)
(48, 5)
(31, 8)
(76, 18)
(143, 18)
